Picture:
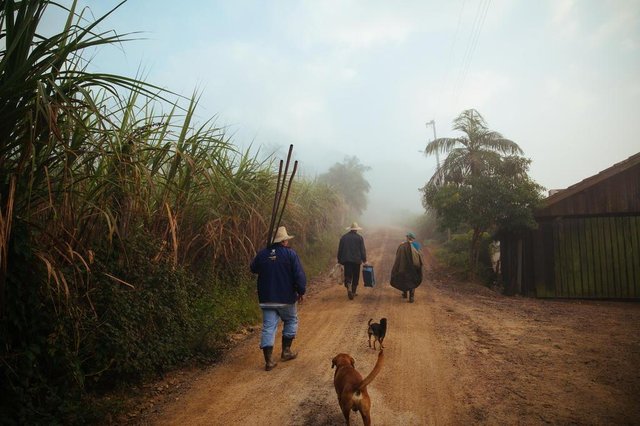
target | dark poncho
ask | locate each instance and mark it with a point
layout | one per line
(404, 275)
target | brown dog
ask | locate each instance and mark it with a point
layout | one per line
(351, 388)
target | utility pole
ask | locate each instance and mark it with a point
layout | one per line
(432, 123)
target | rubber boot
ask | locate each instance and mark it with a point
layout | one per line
(269, 363)
(349, 291)
(287, 354)
(411, 295)
(404, 294)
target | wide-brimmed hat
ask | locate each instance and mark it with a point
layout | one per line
(281, 235)
(354, 227)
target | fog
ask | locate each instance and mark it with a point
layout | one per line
(361, 78)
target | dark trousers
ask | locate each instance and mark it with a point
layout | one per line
(351, 275)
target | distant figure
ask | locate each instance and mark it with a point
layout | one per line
(412, 238)
(351, 254)
(406, 274)
(281, 283)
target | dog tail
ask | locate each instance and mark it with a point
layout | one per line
(374, 372)
(369, 323)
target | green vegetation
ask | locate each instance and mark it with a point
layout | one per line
(125, 231)
(482, 186)
(453, 254)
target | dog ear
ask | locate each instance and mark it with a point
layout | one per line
(333, 363)
(353, 362)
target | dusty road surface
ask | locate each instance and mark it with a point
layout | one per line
(461, 354)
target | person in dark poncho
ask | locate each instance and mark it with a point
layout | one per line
(406, 274)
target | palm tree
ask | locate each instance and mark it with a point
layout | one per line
(479, 152)
(476, 152)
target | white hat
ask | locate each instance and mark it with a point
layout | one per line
(281, 235)
(354, 227)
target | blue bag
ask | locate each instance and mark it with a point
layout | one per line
(368, 276)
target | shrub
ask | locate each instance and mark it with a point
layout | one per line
(454, 255)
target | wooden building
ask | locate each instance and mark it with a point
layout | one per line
(587, 244)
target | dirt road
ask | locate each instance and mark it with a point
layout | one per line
(461, 354)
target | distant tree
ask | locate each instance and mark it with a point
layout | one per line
(347, 178)
(477, 151)
(500, 200)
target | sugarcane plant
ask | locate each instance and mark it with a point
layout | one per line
(119, 213)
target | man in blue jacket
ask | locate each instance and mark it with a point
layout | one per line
(281, 283)
(351, 254)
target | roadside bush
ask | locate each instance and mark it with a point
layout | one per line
(139, 327)
(121, 331)
(33, 345)
(227, 304)
(454, 256)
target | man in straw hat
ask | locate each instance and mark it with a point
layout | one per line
(281, 283)
(351, 254)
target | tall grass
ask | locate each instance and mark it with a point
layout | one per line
(125, 230)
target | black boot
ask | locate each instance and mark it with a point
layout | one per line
(269, 363)
(404, 294)
(349, 291)
(411, 295)
(287, 354)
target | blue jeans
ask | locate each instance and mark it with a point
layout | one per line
(270, 319)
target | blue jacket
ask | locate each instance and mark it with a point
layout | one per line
(280, 275)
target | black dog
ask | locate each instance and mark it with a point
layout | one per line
(378, 332)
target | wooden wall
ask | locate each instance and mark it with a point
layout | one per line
(588, 257)
(587, 244)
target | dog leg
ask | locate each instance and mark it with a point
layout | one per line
(345, 412)
(366, 418)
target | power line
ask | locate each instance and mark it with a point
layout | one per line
(447, 84)
(475, 41)
(474, 36)
(472, 44)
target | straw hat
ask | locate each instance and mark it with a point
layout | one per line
(281, 235)
(354, 227)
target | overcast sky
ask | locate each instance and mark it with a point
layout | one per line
(361, 78)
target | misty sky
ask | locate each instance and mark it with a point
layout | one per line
(361, 78)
